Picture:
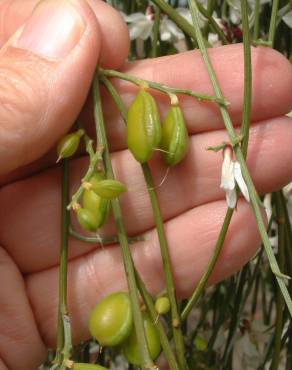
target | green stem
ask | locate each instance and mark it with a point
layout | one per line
(180, 21)
(184, 25)
(95, 159)
(240, 157)
(279, 298)
(256, 27)
(167, 266)
(155, 39)
(247, 93)
(160, 87)
(170, 357)
(64, 343)
(147, 363)
(178, 338)
(273, 22)
(204, 279)
(213, 24)
(235, 318)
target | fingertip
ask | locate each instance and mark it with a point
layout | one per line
(114, 35)
(272, 82)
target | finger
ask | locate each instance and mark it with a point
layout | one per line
(115, 45)
(32, 206)
(269, 99)
(45, 74)
(21, 346)
(271, 92)
(191, 237)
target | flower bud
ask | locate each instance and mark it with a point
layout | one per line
(68, 145)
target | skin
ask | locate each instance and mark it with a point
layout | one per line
(192, 203)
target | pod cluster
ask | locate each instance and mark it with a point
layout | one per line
(96, 201)
(98, 191)
(145, 134)
(111, 324)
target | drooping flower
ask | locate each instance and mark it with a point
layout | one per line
(140, 25)
(230, 176)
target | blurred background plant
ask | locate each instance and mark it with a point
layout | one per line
(242, 322)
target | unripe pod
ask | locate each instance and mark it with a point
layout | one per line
(111, 321)
(131, 347)
(96, 177)
(98, 206)
(143, 127)
(175, 139)
(87, 219)
(162, 305)
(108, 189)
(68, 145)
(81, 366)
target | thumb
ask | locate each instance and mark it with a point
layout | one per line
(45, 74)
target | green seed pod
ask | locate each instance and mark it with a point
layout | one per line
(81, 366)
(108, 189)
(96, 177)
(175, 139)
(87, 219)
(131, 348)
(111, 321)
(68, 145)
(143, 127)
(98, 206)
(162, 305)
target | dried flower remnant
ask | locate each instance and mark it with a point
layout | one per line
(230, 176)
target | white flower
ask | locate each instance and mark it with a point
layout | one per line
(169, 30)
(140, 25)
(288, 19)
(230, 176)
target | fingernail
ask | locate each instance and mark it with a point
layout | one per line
(53, 30)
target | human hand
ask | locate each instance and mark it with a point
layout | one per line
(40, 100)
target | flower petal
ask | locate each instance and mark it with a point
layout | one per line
(140, 30)
(288, 19)
(240, 181)
(227, 172)
(134, 17)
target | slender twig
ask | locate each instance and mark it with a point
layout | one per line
(179, 20)
(95, 159)
(178, 338)
(184, 25)
(279, 298)
(160, 328)
(247, 93)
(213, 24)
(167, 266)
(160, 87)
(147, 363)
(64, 343)
(155, 38)
(256, 26)
(240, 157)
(204, 279)
(245, 133)
(273, 22)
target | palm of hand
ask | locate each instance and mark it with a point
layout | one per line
(192, 203)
